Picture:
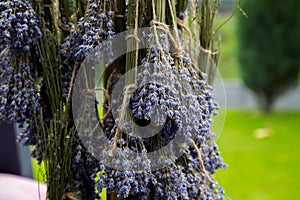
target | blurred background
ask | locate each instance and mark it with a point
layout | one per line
(259, 65)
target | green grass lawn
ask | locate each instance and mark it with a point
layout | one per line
(261, 169)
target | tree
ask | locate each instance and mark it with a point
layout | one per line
(269, 47)
(52, 51)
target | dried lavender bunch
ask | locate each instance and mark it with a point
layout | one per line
(91, 30)
(89, 33)
(18, 25)
(179, 87)
(172, 82)
(18, 38)
(20, 94)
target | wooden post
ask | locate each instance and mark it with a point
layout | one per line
(9, 162)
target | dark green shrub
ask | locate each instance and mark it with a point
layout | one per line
(269, 47)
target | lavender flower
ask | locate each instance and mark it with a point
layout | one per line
(18, 25)
(18, 91)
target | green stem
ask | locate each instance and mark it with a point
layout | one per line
(120, 16)
(131, 42)
(57, 135)
(80, 7)
(181, 6)
(208, 56)
(160, 7)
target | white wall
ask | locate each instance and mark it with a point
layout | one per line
(239, 96)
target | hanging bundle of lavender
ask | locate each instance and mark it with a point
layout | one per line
(19, 35)
(154, 113)
(166, 78)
